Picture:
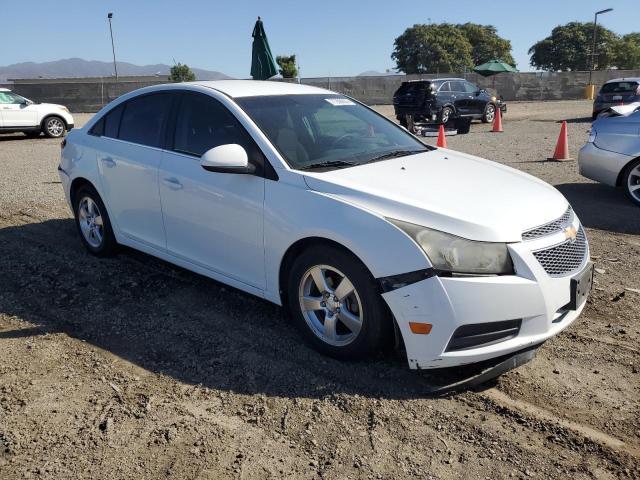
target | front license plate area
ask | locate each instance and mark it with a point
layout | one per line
(617, 97)
(580, 287)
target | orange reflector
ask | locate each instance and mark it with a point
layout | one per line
(420, 328)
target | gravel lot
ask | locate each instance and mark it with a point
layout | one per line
(133, 368)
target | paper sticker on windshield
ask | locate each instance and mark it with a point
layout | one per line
(339, 102)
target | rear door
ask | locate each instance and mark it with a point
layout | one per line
(459, 97)
(128, 156)
(617, 93)
(15, 112)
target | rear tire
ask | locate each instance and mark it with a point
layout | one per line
(335, 303)
(631, 181)
(92, 221)
(445, 115)
(54, 127)
(403, 121)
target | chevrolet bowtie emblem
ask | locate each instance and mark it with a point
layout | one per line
(570, 233)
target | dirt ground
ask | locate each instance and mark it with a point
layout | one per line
(133, 368)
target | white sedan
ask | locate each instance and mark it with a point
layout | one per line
(313, 201)
(19, 114)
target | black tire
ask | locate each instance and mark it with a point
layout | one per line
(54, 126)
(594, 116)
(376, 327)
(108, 245)
(403, 121)
(634, 180)
(445, 115)
(489, 113)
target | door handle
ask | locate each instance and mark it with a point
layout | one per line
(173, 183)
(108, 162)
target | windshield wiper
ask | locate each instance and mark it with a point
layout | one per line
(394, 154)
(329, 164)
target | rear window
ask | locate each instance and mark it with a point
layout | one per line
(413, 87)
(620, 87)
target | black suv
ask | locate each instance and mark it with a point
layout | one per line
(443, 99)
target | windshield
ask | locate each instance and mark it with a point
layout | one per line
(327, 131)
(11, 98)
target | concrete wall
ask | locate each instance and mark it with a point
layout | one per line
(89, 95)
(512, 86)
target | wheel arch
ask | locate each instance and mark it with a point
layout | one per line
(623, 170)
(49, 115)
(298, 247)
(76, 184)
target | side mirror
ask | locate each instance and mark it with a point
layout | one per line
(230, 158)
(478, 92)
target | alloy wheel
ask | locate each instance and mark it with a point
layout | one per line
(90, 220)
(490, 113)
(55, 127)
(330, 305)
(633, 183)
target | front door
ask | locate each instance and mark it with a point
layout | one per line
(16, 112)
(128, 157)
(214, 220)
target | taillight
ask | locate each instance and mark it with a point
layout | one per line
(63, 143)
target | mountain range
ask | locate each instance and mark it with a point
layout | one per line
(78, 67)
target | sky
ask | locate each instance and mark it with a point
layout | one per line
(330, 37)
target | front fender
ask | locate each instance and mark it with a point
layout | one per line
(293, 213)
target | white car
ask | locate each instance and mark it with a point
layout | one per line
(19, 114)
(313, 201)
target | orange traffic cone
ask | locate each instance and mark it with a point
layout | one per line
(497, 122)
(442, 139)
(562, 147)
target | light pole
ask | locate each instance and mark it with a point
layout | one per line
(595, 45)
(113, 48)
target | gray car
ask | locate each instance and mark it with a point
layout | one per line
(619, 91)
(612, 154)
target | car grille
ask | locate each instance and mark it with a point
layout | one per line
(564, 258)
(551, 227)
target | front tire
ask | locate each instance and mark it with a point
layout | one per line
(93, 222)
(335, 303)
(489, 113)
(631, 181)
(54, 127)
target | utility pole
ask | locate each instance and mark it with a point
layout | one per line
(113, 48)
(595, 45)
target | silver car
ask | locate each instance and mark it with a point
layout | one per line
(612, 154)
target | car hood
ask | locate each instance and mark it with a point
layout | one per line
(447, 191)
(50, 105)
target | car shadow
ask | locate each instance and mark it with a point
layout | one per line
(17, 136)
(602, 207)
(170, 321)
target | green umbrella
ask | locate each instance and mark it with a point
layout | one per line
(493, 67)
(262, 64)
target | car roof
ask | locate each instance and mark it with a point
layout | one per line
(623, 79)
(252, 88)
(434, 80)
(4, 90)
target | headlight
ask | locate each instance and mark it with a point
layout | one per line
(592, 136)
(64, 108)
(459, 255)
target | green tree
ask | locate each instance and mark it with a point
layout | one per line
(569, 48)
(432, 48)
(626, 52)
(486, 44)
(287, 66)
(181, 73)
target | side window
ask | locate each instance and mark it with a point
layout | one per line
(457, 86)
(445, 87)
(204, 123)
(143, 119)
(108, 125)
(470, 87)
(10, 98)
